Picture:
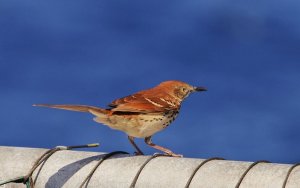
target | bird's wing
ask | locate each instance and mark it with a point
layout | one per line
(141, 102)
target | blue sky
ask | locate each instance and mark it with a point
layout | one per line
(91, 52)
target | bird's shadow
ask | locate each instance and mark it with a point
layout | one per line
(65, 173)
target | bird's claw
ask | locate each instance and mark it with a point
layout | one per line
(138, 153)
(168, 155)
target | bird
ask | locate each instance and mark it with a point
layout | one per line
(141, 114)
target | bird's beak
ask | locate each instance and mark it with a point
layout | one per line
(200, 89)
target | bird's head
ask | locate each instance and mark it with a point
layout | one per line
(180, 89)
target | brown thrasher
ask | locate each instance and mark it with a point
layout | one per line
(141, 114)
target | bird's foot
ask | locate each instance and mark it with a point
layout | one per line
(138, 153)
(168, 155)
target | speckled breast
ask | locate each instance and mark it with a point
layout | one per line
(152, 123)
(141, 125)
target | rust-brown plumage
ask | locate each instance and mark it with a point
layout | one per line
(141, 114)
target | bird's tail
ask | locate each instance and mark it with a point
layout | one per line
(79, 108)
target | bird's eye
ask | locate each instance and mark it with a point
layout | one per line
(184, 90)
(181, 92)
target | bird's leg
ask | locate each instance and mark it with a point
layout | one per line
(138, 151)
(165, 150)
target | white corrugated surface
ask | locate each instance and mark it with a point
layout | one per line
(69, 169)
